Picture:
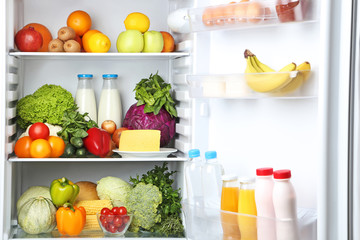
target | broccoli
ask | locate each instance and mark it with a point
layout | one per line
(47, 104)
(143, 201)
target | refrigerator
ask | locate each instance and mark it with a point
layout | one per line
(313, 131)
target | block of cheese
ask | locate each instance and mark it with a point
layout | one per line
(140, 141)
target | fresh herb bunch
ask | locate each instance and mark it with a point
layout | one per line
(171, 200)
(75, 124)
(154, 92)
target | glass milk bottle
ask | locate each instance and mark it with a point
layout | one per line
(85, 96)
(110, 102)
(247, 206)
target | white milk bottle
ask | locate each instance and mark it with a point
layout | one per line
(212, 172)
(284, 200)
(85, 96)
(264, 204)
(110, 103)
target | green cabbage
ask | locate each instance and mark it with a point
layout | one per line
(114, 189)
(47, 104)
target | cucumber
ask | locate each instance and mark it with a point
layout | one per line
(77, 142)
(81, 152)
(69, 150)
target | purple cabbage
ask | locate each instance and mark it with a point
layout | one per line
(135, 118)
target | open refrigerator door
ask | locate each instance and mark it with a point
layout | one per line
(224, 102)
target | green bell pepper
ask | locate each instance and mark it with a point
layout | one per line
(63, 191)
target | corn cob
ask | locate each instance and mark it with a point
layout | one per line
(91, 223)
(94, 206)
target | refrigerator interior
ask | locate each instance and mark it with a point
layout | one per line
(246, 133)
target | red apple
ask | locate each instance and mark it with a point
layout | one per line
(28, 40)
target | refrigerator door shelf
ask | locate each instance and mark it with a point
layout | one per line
(214, 223)
(240, 15)
(97, 56)
(236, 86)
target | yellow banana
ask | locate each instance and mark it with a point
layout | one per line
(263, 67)
(253, 62)
(269, 82)
(302, 75)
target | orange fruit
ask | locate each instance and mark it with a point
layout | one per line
(57, 146)
(99, 43)
(80, 21)
(22, 147)
(40, 148)
(85, 39)
(45, 33)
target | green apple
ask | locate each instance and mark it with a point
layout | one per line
(130, 41)
(153, 41)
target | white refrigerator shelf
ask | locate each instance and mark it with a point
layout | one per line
(96, 56)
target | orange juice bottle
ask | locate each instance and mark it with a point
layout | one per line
(229, 203)
(247, 223)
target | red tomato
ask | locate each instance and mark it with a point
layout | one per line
(105, 211)
(102, 218)
(117, 221)
(104, 222)
(39, 131)
(126, 219)
(22, 147)
(115, 210)
(112, 228)
(110, 217)
(122, 211)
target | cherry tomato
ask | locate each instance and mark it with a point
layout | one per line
(112, 228)
(117, 221)
(126, 219)
(102, 218)
(121, 228)
(104, 222)
(22, 147)
(39, 131)
(110, 217)
(122, 211)
(105, 211)
(115, 210)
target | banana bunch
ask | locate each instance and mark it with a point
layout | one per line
(262, 78)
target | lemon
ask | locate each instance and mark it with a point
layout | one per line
(99, 43)
(137, 21)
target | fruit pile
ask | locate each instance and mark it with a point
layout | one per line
(39, 143)
(78, 36)
(270, 81)
(114, 220)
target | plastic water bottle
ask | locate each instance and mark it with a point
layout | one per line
(212, 172)
(193, 178)
(284, 199)
(264, 204)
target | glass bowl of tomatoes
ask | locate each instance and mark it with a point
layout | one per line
(114, 222)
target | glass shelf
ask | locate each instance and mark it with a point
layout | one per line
(249, 85)
(18, 233)
(245, 15)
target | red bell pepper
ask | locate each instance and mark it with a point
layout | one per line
(98, 142)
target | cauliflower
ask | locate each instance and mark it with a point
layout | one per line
(143, 202)
(114, 189)
(54, 129)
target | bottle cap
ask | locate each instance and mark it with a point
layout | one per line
(110, 75)
(282, 174)
(210, 155)
(246, 180)
(194, 153)
(229, 177)
(85, 75)
(264, 171)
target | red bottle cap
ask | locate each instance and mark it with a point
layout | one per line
(264, 171)
(282, 174)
